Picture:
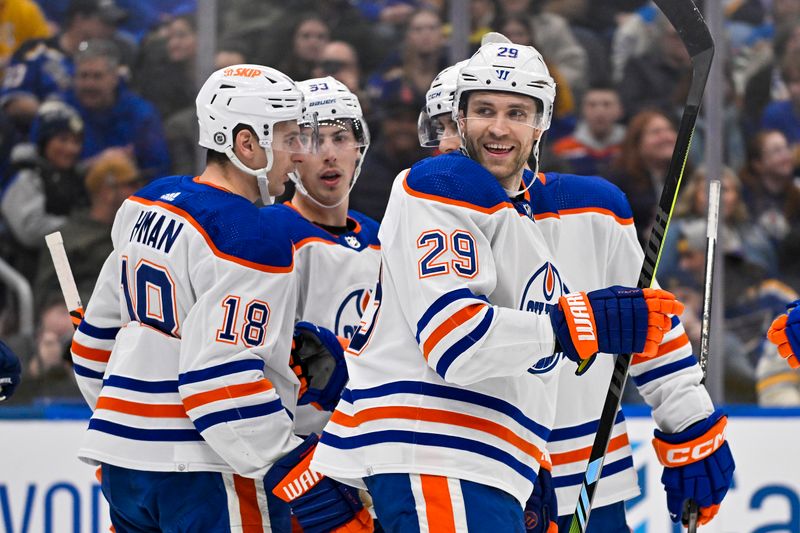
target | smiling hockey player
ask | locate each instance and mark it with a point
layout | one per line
(437, 420)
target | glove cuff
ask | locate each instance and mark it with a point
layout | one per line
(693, 444)
(579, 317)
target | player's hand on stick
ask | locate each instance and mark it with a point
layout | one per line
(318, 360)
(785, 334)
(10, 371)
(541, 510)
(319, 503)
(698, 466)
(613, 320)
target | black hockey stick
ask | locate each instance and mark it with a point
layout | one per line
(687, 20)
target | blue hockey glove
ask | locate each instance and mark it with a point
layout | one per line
(613, 320)
(698, 466)
(319, 503)
(10, 371)
(541, 511)
(318, 360)
(785, 334)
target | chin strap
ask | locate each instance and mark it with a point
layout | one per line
(260, 174)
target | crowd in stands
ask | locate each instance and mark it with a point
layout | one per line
(98, 96)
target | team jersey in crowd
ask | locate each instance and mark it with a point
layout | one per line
(188, 333)
(38, 68)
(335, 275)
(596, 246)
(439, 380)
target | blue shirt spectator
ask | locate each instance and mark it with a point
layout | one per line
(113, 115)
(782, 116)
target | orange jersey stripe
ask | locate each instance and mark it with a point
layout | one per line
(583, 454)
(438, 507)
(599, 210)
(93, 354)
(149, 410)
(458, 318)
(216, 251)
(224, 393)
(438, 416)
(248, 504)
(663, 349)
(459, 203)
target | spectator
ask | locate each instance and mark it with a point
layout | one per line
(48, 373)
(20, 21)
(634, 36)
(554, 39)
(43, 67)
(398, 148)
(165, 75)
(643, 163)
(87, 232)
(738, 236)
(771, 194)
(778, 384)
(412, 69)
(597, 140)
(660, 78)
(114, 116)
(785, 116)
(340, 60)
(45, 185)
(308, 39)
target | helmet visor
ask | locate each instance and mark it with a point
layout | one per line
(433, 130)
(293, 137)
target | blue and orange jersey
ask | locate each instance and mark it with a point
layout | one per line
(183, 353)
(439, 380)
(336, 273)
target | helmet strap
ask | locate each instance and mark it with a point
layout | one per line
(260, 174)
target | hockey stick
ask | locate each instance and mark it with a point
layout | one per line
(687, 20)
(68, 288)
(691, 514)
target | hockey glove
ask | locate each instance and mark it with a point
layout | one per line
(785, 334)
(698, 466)
(319, 503)
(10, 371)
(541, 511)
(318, 360)
(613, 320)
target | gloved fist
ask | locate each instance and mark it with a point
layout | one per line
(785, 334)
(319, 503)
(318, 360)
(698, 466)
(613, 320)
(10, 370)
(541, 510)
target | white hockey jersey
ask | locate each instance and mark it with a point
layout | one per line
(439, 380)
(183, 354)
(335, 276)
(589, 221)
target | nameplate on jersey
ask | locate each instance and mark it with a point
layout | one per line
(156, 230)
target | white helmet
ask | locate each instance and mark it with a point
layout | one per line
(500, 65)
(251, 95)
(329, 102)
(438, 101)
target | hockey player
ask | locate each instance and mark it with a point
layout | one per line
(337, 251)
(441, 419)
(10, 371)
(436, 127)
(184, 351)
(785, 334)
(568, 208)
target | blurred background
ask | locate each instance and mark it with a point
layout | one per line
(98, 98)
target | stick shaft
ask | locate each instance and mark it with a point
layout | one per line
(69, 289)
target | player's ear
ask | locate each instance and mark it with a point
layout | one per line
(244, 143)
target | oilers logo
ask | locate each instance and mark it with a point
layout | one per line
(352, 241)
(541, 294)
(350, 311)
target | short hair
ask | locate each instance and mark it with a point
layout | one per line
(96, 48)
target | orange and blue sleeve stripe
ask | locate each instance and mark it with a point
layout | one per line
(674, 355)
(209, 400)
(451, 326)
(91, 349)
